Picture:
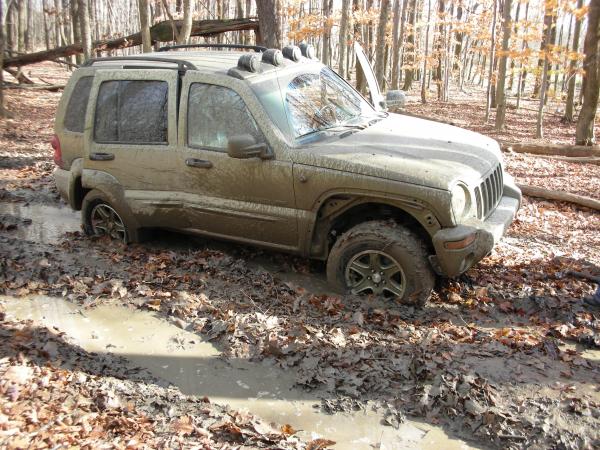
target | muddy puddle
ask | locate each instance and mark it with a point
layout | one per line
(196, 367)
(48, 223)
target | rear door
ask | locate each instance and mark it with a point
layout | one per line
(130, 139)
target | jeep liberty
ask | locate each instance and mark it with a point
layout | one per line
(273, 148)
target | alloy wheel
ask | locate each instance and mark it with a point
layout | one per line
(106, 222)
(375, 272)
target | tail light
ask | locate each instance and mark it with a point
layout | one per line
(55, 142)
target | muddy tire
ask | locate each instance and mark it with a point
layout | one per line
(100, 217)
(384, 259)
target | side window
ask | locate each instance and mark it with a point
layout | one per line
(132, 112)
(216, 113)
(75, 113)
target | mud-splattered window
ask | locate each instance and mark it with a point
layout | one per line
(77, 107)
(215, 113)
(132, 112)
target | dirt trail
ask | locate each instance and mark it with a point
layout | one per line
(196, 367)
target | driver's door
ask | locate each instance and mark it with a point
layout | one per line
(249, 199)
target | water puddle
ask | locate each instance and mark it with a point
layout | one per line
(48, 223)
(195, 366)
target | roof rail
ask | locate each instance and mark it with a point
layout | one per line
(182, 66)
(256, 48)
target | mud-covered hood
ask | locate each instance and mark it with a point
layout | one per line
(408, 149)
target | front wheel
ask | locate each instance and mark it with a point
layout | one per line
(383, 259)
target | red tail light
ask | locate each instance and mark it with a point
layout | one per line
(57, 151)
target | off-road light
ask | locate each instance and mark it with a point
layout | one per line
(292, 52)
(272, 56)
(249, 62)
(308, 51)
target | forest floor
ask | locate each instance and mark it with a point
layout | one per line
(504, 357)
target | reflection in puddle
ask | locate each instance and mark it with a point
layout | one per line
(48, 223)
(195, 366)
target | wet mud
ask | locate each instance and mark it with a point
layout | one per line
(196, 367)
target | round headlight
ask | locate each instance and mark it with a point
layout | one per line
(461, 201)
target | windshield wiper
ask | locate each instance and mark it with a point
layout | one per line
(334, 128)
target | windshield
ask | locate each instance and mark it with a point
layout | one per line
(319, 101)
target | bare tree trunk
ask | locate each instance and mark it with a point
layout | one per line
(269, 14)
(591, 49)
(513, 62)
(539, 129)
(75, 26)
(46, 25)
(501, 95)
(248, 9)
(145, 26)
(380, 46)
(569, 107)
(424, 80)
(186, 27)
(21, 24)
(360, 77)
(522, 67)
(343, 37)
(86, 32)
(548, 21)
(3, 111)
(57, 24)
(459, 41)
(29, 30)
(410, 43)
(437, 76)
(396, 44)
(327, 7)
(488, 103)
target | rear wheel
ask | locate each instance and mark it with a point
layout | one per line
(383, 259)
(105, 221)
(101, 218)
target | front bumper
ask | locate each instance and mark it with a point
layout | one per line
(481, 237)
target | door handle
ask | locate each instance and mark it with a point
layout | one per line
(202, 163)
(102, 156)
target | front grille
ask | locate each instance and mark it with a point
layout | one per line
(489, 193)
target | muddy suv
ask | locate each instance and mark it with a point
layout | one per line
(273, 148)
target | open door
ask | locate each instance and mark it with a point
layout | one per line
(377, 99)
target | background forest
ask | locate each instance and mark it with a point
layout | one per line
(511, 50)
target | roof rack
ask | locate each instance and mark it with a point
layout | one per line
(256, 48)
(182, 66)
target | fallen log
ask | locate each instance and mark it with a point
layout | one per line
(552, 149)
(585, 276)
(19, 76)
(573, 159)
(41, 87)
(161, 32)
(549, 194)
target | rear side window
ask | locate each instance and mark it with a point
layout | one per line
(216, 113)
(132, 112)
(76, 109)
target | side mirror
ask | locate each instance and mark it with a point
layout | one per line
(244, 146)
(395, 99)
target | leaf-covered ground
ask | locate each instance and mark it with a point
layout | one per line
(505, 356)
